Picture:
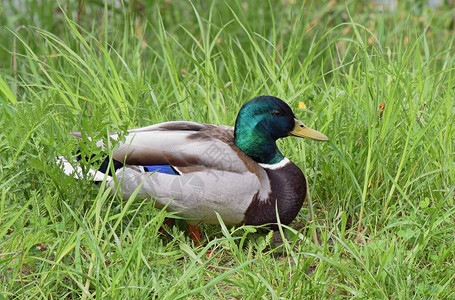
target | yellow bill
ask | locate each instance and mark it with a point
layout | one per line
(301, 130)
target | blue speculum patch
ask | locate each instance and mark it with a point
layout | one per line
(166, 169)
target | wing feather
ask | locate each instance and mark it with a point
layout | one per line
(187, 146)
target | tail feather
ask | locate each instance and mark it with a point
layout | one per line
(76, 171)
(73, 168)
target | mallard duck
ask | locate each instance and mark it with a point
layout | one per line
(200, 169)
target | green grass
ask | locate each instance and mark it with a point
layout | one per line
(379, 219)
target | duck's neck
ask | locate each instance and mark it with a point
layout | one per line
(257, 145)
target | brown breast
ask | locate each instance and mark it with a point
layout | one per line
(288, 191)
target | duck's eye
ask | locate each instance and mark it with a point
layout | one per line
(278, 112)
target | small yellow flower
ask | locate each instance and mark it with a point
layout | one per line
(302, 105)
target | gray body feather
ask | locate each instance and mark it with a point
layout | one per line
(215, 175)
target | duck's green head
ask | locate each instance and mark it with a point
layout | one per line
(263, 120)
